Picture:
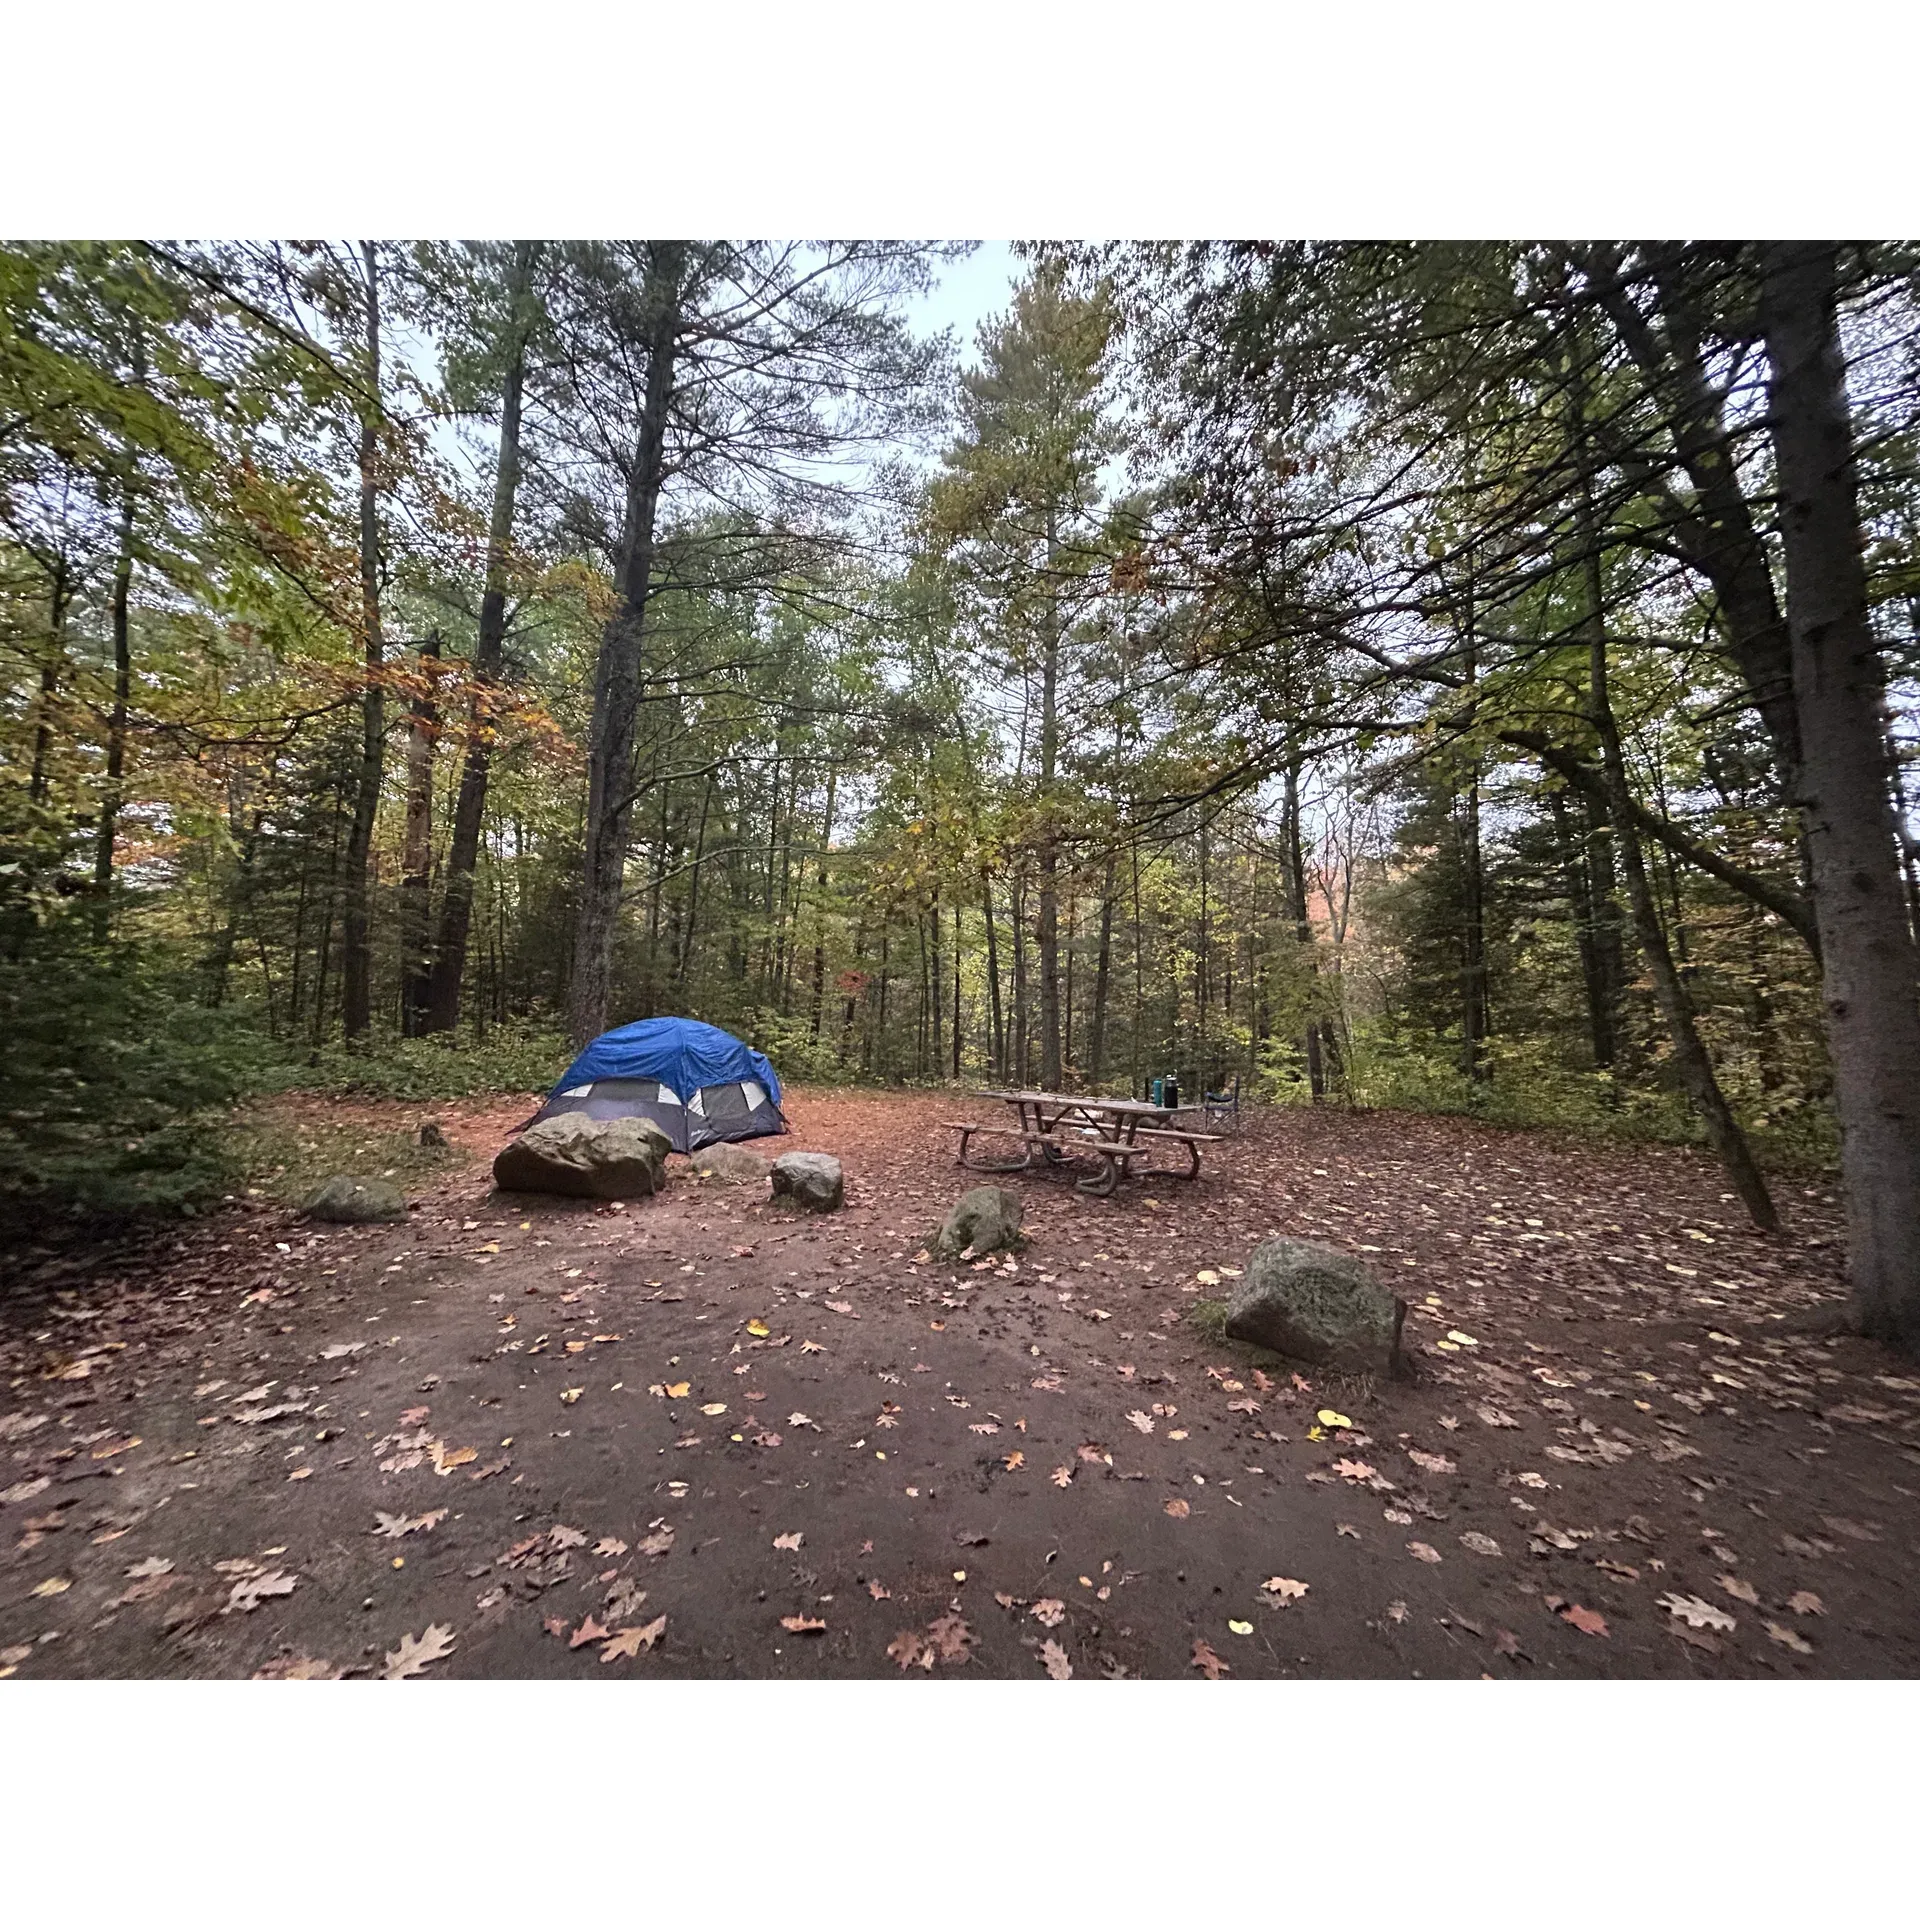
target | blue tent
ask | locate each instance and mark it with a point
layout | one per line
(698, 1083)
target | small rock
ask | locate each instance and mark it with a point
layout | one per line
(586, 1159)
(355, 1202)
(810, 1180)
(982, 1220)
(725, 1161)
(1317, 1304)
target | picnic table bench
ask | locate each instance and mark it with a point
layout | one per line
(1048, 1123)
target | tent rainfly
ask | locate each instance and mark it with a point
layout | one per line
(697, 1083)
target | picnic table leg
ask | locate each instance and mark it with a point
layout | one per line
(1106, 1180)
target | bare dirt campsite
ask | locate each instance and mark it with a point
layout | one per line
(697, 1435)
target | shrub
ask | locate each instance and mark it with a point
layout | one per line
(113, 1078)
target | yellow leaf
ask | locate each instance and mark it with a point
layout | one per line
(1465, 1339)
(759, 1329)
(1239, 1626)
(572, 1394)
(679, 1389)
(1316, 1433)
(1328, 1418)
(48, 1588)
(714, 1408)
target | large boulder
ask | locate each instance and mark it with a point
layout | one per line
(809, 1180)
(587, 1159)
(354, 1202)
(1318, 1305)
(724, 1161)
(982, 1220)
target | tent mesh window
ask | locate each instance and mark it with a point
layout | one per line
(728, 1102)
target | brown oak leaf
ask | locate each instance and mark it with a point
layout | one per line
(1208, 1661)
(1053, 1657)
(411, 1656)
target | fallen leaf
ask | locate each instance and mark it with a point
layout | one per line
(588, 1629)
(1431, 1462)
(1740, 1589)
(1786, 1636)
(445, 1459)
(1495, 1417)
(47, 1588)
(878, 1591)
(909, 1650)
(658, 1543)
(1178, 1509)
(297, 1667)
(568, 1396)
(24, 1490)
(1804, 1602)
(799, 1623)
(1696, 1612)
(150, 1565)
(1284, 1591)
(1239, 1626)
(1208, 1661)
(1053, 1657)
(1144, 1421)
(1585, 1619)
(394, 1526)
(759, 1329)
(407, 1660)
(609, 1548)
(811, 1346)
(247, 1594)
(1328, 1418)
(1353, 1470)
(838, 1306)
(1481, 1543)
(630, 1640)
(788, 1542)
(678, 1390)
(951, 1638)
(1014, 1461)
(1049, 1612)
(1421, 1551)
(1061, 1476)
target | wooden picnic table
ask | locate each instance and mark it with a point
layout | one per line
(1049, 1122)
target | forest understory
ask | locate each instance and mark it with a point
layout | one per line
(694, 1436)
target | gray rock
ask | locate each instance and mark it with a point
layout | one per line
(587, 1159)
(1318, 1305)
(810, 1180)
(354, 1202)
(725, 1161)
(982, 1220)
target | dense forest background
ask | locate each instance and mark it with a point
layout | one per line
(1373, 673)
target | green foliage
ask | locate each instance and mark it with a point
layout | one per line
(289, 1149)
(522, 1056)
(112, 1080)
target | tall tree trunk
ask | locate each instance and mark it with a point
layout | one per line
(1022, 992)
(416, 860)
(1049, 919)
(685, 958)
(997, 1068)
(59, 597)
(110, 799)
(1871, 983)
(470, 807)
(936, 981)
(1690, 1055)
(1296, 876)
(356, 958)
(1102, 975)
(956, 990)
(616, 691)
(820, 907)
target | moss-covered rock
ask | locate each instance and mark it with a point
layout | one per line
(1320, 1306)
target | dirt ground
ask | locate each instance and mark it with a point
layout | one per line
(698, 1436)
